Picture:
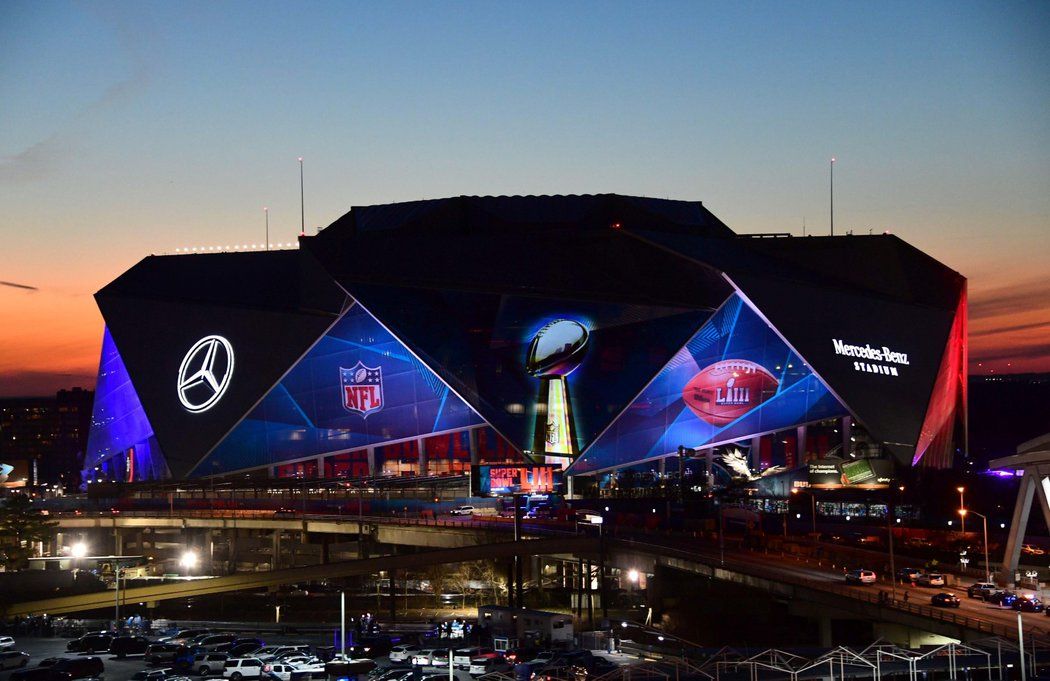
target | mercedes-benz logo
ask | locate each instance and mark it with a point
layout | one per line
(205, 373)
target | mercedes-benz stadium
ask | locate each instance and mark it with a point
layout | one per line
(594, 332)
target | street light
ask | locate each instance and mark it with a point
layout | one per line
(189, 560)
(962, 507)
(632, 575)
(812, 506)
(78, 550)
(984, 521)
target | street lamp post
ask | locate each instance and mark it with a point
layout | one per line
(984, 522)
(812, 507)
(962, 506)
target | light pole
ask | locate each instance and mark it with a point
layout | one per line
(984, 521)
(266, 211)
(812, 506)
(832, 192)
(962, 506)
(302, 201)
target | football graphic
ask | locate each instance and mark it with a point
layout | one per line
(724, 391)
(557, 349)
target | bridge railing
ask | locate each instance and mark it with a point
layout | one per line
(857, 593)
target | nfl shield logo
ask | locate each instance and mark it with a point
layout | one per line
(362, 388)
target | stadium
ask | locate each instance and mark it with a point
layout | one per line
(594, 333)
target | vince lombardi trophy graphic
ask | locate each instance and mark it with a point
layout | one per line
(555, 351)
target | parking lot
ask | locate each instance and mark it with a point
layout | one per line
(123, 669)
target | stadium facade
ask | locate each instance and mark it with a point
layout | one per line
(597, 331)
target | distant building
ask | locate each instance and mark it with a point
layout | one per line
(44, 438)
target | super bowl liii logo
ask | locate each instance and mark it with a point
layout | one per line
(879, 358)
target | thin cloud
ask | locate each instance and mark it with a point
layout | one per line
(1022, 297)
(1025, 352)
(25, 287)
(43, 159)
(1010, 329)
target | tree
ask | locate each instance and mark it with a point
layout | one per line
(22, 524)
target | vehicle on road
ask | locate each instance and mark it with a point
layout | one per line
(13, 659)
(122, 646)
(151, 675)
(945, 600)
(243, 667)
(860, 577)
(930, 579)
(403, 653)
(980, 589)
(206, 664)
(462, 510)
(1002, 598)
(1027, 603)
(6, 642)
(90, 643)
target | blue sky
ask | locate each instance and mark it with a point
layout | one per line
(134, 128)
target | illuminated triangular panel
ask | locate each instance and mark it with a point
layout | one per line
(357, 387)
(734, 378)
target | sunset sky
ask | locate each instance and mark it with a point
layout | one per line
(135, 128)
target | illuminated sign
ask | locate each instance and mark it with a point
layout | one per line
(880, 357)
(5, 470)
(362, 388)
(555, 351)
(205, 374)
(518, 479)
(835, 473)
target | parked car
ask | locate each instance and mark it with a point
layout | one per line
(860, 577)
(90, 643)
(122, 646)
(371, 647)
(423, 658)
(242, 667)
(403, 653)
(945, 600)
(1027, 603)
(206, 664)
(243, 649)
(273, 652)
(39, 674)
(462, 510)
(908, 574)
(461, 658)
(151, 675)
(183, 635)
(6, 642)
(930, 579)
(280, 671)
(161, 653)
(13, 659)
(244, 641)
(980, 589)
(486, 664)
(439, 658)
(214, 642)
(79, 667)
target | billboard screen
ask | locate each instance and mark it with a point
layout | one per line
(835, 473)
(495, 480)
(735, 378)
